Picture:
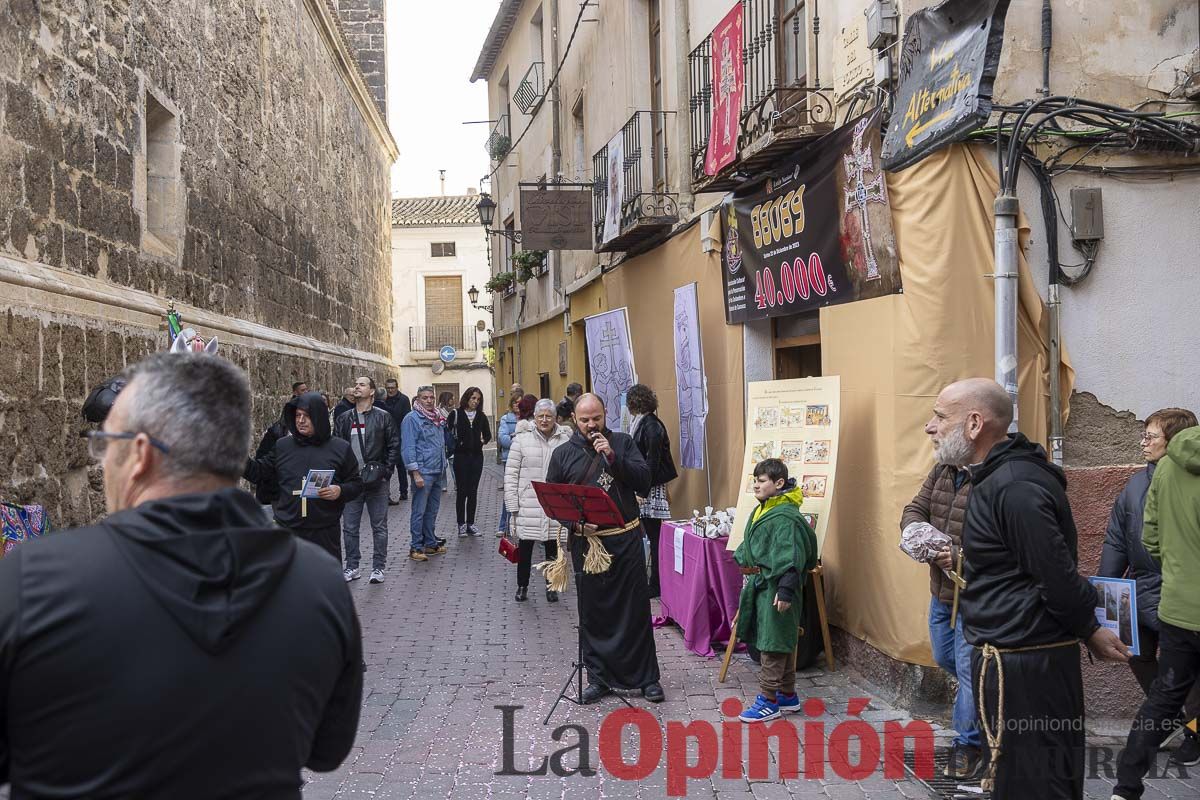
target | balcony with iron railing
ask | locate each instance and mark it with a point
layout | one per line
(532, 88)
(779, 111)
(499, 141)
(428, 340)
(647, 205)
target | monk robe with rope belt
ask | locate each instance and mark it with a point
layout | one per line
(1025, 608)
(614, 603)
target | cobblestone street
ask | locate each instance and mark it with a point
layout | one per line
(445, 644)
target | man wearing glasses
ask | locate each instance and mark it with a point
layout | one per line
(180, 647)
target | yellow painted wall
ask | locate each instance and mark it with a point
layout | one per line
(646, 286)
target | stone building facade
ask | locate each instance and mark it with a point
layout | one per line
(227, 156)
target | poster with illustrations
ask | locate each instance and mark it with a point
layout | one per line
(689, 379)
(797, 422)
(610, 357)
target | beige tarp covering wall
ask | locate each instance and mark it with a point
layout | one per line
(894, 354)
(645, 285)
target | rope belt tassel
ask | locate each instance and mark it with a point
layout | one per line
(597, 560)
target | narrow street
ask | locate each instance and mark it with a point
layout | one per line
(445, 644)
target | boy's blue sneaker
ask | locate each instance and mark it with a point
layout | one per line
(762, 710)
(788, 702)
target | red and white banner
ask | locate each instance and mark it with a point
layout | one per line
(728, 82)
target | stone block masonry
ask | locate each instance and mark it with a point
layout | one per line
(363, 22)
(223, 154)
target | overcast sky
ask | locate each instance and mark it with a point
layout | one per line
(432, 47)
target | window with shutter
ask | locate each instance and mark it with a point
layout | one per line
(443, 312)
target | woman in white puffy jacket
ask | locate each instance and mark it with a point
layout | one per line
(528, 459)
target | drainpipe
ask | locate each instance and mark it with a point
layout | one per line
(1007, 207)
(1056, 431)
(687, 201)
(1047, 40)
(556, 133)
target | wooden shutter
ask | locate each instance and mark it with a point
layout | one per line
(443, 312)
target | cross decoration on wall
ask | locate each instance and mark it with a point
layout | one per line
(860, 192)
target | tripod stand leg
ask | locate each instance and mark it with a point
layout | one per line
(562, 695)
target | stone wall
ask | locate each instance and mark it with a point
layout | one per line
(51, 362)
(284, 192)
(364, 24)
(212, 153)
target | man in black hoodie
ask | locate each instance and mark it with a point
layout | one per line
(179, 648)
(311, 445)
(1025, 607)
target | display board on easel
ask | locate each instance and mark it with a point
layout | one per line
(796, 421)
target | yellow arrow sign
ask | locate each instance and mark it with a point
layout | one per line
(917, 130)
(1194, 725)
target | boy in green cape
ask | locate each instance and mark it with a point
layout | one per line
(777, 551)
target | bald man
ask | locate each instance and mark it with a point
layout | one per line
(1025, 608)
(614, 605)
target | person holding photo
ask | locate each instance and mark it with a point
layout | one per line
(1125, 556)
(310, 446)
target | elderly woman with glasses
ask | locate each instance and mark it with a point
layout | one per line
(1124, 556)
(528, 460)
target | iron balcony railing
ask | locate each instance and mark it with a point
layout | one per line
(432, 338)
(647, 202)
(700, 103)
(532, 88)
(499, 141)
(778, 108)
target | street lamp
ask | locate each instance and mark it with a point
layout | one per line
(473, 296)
(487, 215)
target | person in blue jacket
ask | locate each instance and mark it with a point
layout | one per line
(506, 429)
(423, 451)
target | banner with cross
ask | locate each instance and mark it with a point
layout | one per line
(815, 231)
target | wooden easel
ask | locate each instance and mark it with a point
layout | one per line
(819, 591)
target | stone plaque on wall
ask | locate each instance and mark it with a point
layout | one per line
(556, 219)
(854, 60)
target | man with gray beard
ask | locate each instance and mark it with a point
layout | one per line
(942, 503)
(1025, 607)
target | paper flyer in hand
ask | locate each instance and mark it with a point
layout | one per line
(1118, 609)
(317, 479)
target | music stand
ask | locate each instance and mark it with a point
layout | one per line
(585, 505)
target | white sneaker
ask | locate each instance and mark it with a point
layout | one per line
(500, 533)
(376, 576)
(351, 574)
(463, 532)
(471, 529)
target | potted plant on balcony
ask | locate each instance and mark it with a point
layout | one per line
(528, 263)
(499, 146)
(500, 283)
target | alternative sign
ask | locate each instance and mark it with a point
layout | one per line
(817, 232)
(948, 64)
(556, 219)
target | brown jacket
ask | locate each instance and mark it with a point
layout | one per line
(945, 509)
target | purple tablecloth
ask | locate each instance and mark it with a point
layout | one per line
(704, 599)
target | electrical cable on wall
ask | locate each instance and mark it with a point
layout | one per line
(553, 81)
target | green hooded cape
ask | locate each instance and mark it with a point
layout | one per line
(777, 539)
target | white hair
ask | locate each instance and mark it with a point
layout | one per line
(545, 404)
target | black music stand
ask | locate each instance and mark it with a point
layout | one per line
(585, 505)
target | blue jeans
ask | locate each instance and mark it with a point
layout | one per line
(375, 498)
(953, 654)
(426, 500)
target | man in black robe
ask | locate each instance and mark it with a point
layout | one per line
(311, 445)
(614, 605)
(1025, 606)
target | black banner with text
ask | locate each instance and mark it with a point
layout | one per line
(816, 232)
(948, 63)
